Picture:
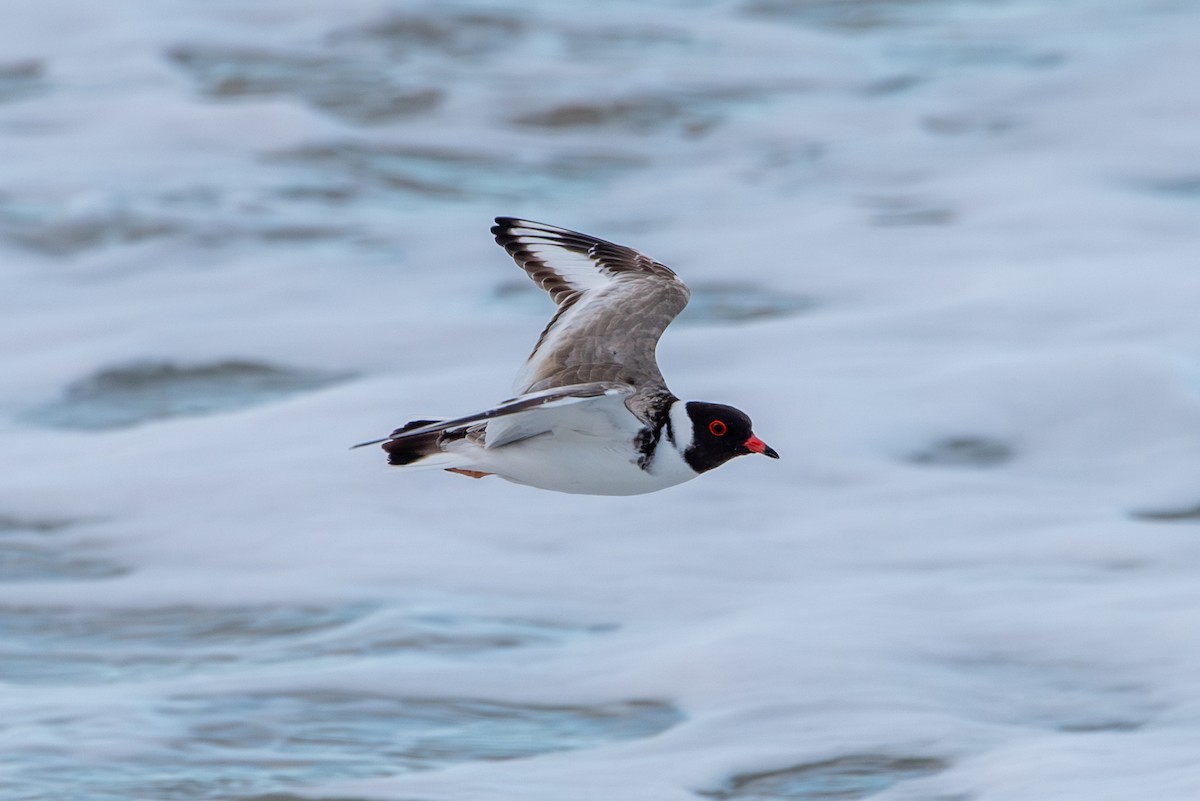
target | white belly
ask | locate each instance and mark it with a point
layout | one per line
(579, 464)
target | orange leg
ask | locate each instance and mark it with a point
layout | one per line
(470, 473)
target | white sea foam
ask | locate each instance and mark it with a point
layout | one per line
(992, 208)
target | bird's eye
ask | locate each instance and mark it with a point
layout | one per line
(717, 428)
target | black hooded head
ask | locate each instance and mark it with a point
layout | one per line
(720, 433)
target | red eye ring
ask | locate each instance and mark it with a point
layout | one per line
(717, 428)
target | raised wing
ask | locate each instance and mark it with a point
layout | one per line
(613, 305)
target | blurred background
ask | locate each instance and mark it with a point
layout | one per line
(944, 252)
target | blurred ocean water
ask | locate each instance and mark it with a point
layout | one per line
(944, 252)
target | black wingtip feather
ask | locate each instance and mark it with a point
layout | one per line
(504, 226)
(410, 425)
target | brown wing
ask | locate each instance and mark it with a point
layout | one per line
(613, 305)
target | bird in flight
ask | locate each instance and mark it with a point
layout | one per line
(591, 412)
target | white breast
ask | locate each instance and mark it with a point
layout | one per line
(668, 464)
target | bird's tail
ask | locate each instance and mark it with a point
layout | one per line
(416, 448)
(402, 450)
